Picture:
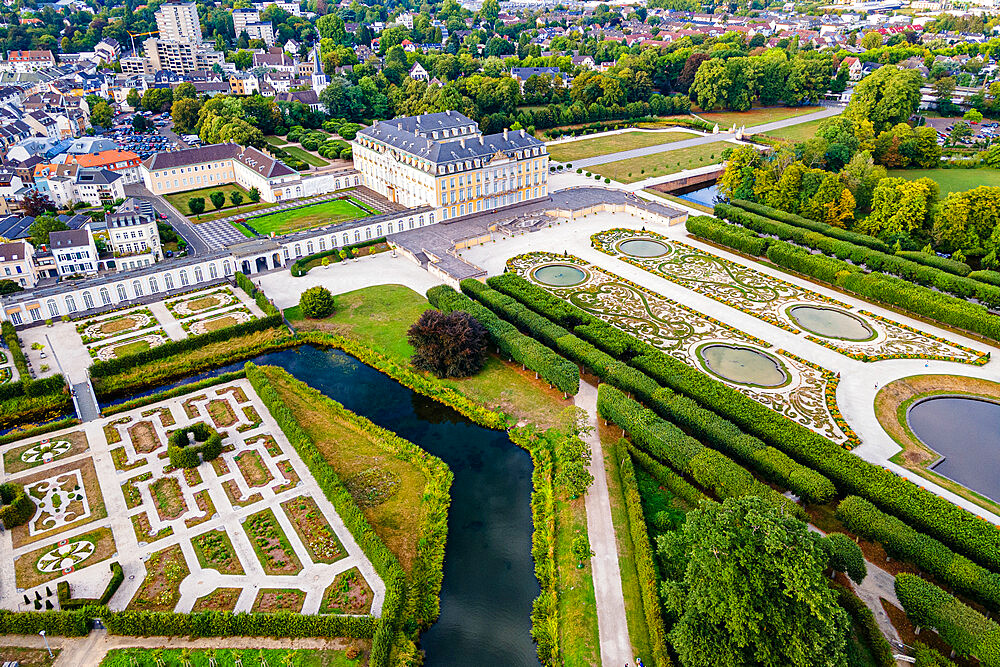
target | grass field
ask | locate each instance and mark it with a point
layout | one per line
(801, 132)
(583, 148)
(305, 156)
(952, 180)
(757, 116)
(275, 141)
(661, 164)
(179, 200)
(379, 317)
(296, 219)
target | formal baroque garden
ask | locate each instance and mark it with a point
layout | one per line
(202, 503)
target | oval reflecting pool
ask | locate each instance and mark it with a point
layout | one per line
(831, 322)
(966, 431)
(743, 365)
(559, 275)
(643, 248)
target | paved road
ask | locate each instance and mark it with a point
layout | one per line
(707, 139)
(197, 245)
(612, 624)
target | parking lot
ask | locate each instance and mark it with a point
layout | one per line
(985, 131)
(159, 139)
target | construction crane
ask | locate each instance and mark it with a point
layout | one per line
(133, 35)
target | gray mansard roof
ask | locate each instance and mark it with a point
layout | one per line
(414, 135)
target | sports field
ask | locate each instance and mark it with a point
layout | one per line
(307, 217)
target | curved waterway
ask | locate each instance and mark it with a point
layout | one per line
(966, 432)
(489, 579)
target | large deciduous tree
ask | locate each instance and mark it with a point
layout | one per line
(42, 227)
(448, 345)
(886, 97)
(744, 585)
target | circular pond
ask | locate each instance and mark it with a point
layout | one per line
(966, 432)
(643, 248)
(559, 275)
(831, 322)
(743, 365)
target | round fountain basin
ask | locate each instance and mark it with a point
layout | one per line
(643, 248)
(831, 322)
(743, 365)
(559, 275)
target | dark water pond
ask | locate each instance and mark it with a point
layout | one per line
(489, 581)
(744, 365)
(966, 431)
(831, 322)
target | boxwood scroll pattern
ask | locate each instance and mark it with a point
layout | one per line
(679, 330)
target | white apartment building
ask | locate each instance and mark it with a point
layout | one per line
(178, 22)
(248, 21)
(442, 160)
(74, 251)
(133, 234)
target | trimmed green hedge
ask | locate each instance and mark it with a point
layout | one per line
(732, 237)
(959, 528)
(75, 623)
(245, 284)
(207, 445)
(16, 508)
(66, 602)
(666, 442)
(863, 616)
(965, 629)
(902, 542)
(845, 556)
(228, 624)
(38, 430)
(860, 255)
(554, 369)
(670, 480)
(642, 554)
(813, 225)
(943, 263)
(16, 353)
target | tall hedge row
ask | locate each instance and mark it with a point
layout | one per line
(553, 368)
(75, 623)
(737, 238)
(860, 255)
(243, 624)
(378, 553)
(245, 284)
(813, 225)
(905, 543)
(703, 424)
(959, 528)
(965, 629)
(670, 480)
(943, 263)
(643, 556)
(16, 353)
(667, 442)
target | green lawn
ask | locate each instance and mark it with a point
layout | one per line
(305, 156)
(179, 200)
(275, 141)
(199, 658)
(758, 116)
(379, 317)
(614, 143)
(661, 164)
(296, 219)
(952, 180)
(800, 132)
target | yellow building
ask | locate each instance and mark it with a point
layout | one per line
(442, 160)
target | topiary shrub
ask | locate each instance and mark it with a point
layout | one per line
(845, 556)
(206, 446)
(317, 303)
(16, 508)
(448, 344)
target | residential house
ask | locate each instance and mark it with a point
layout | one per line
(133, 234)
(74, 251)
(28, 61)
(98, 187)
(17, 263)
(124, 163)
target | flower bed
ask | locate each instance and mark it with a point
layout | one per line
(199, 304)
(93, 331)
